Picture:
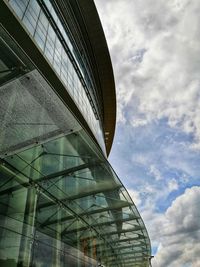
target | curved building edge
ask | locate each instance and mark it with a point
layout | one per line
(93, 41)
(104, 68)
(46, 122)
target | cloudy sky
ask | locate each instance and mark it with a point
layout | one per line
(155, 50)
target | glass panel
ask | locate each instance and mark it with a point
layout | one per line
(19, 6)
(48, 40)
(58, 194)
(31, 112)
(30, 24)
(78, 199)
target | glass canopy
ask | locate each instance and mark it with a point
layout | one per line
(65, 190)
(61, 202)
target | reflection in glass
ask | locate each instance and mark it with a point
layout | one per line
(40, 27)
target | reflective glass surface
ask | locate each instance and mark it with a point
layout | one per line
(61, 202)
(61, 56)
(64, 192)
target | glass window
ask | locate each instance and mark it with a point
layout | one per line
(45, 36)
(49, 52)
(41, 30)
(40, 39)
(34, 8)
(59, 196)
(57, 67)
(58, 46)
(31, 14)
(51, 34)
(43, 20)
(19, 6)
(29, 25)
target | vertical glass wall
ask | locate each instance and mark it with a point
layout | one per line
(53, 41)
(61, 203)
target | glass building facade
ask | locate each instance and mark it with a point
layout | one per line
(44, 25)
(61, 202)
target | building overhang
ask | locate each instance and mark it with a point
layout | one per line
(95, 46)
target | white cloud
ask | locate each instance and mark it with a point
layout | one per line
(138, 122)
(155, 172)
(178, 232)
(135, 196)
(172, 185)
(155, 47)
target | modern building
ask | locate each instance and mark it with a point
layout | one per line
(61, 203)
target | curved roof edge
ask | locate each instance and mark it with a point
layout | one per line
(95, 45)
